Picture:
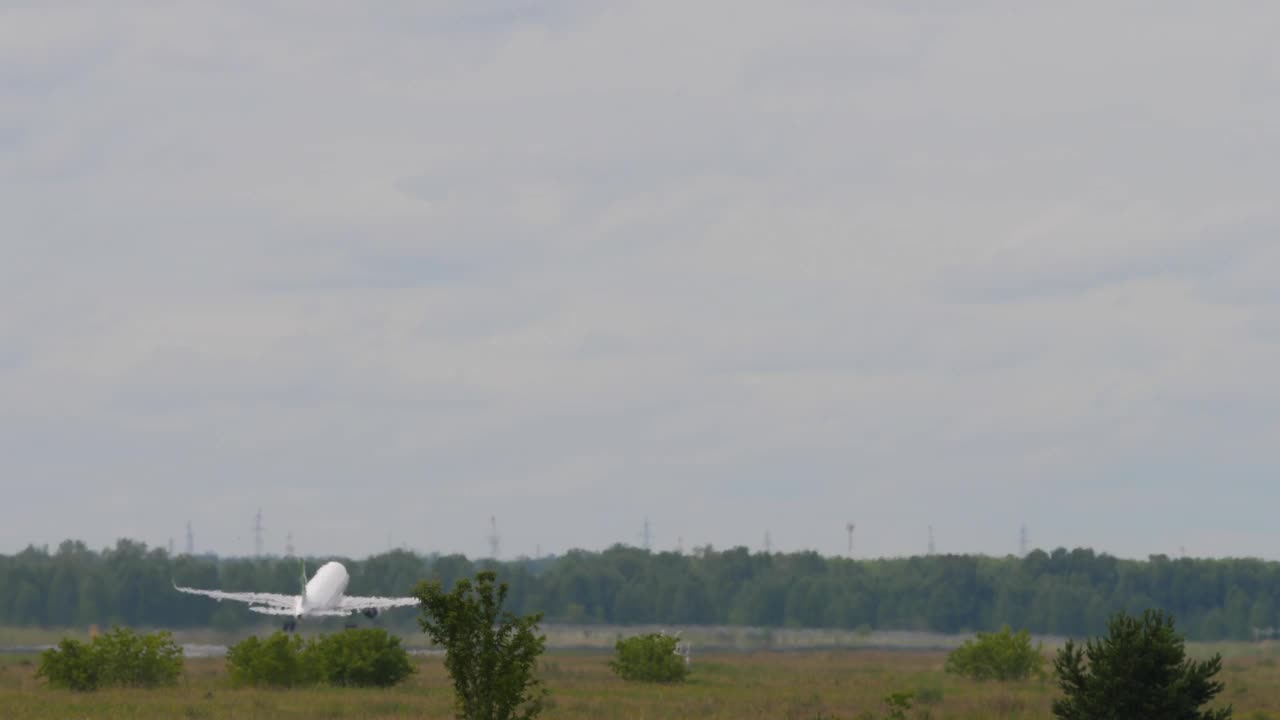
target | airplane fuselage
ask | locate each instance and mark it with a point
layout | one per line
(325, 589)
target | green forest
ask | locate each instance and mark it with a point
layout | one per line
(1063, 592)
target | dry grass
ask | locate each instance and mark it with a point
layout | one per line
(792, 685)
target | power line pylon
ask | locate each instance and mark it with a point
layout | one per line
(493, 537)
(257, 533)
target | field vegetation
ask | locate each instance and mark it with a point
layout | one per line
(849, 685)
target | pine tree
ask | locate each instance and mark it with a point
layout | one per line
(1138, 670)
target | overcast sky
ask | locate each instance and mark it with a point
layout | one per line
(387, 269)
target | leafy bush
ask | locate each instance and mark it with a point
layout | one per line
(490, 654)
(369, 657)
(127, 659)
(118, 658)
(649, 658)
(1001, 655)
(71, 665)
(279, 661)
(1139, 670)
(898, 703)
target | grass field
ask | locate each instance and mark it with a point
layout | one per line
(794, 685)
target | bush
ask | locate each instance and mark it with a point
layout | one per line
(1139, 670)
(1001, 655)
(649, 658)
(71, 666)
(369, 657)
(279, 661)
(118, 658)
(898, 703)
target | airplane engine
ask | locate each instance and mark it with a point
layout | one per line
(370, 613)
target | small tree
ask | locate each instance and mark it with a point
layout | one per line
(1003, 655)
(649, 658)
(490, 654)
(1139, 670)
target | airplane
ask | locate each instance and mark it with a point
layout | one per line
(323, 596)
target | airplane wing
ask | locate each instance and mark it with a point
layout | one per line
(267, 610)
(355, 604)
(272, 600)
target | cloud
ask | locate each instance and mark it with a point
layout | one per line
(730, 265)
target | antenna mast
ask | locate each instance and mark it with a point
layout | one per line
(768, 543)
(646, 534)
(191, 540)
(493, 537)
(1022, 540)
(257, 533)
(931, 547)
(849, 529)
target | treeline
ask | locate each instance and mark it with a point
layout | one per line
(1060, 592)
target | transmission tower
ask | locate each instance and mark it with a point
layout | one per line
(170, 547)
(680, 545)
(645, 534)
(493, 537)
(768, 543)
(257, 533)
(288, 544)
(931, 547)
(848, 528)
(191, 540)
(1022, 541)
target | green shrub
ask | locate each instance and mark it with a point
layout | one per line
(649, 658)
(127, 659)
(118, 658)
(1001, 655)
(369, 657)
(279, 661)
(898, 703)
(71, 666)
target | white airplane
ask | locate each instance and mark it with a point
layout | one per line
(323, 596)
